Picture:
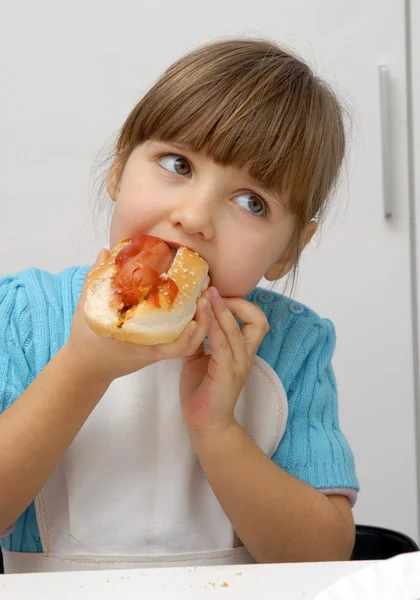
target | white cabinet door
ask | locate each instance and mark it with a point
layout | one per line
(73, 71)
(413, 52)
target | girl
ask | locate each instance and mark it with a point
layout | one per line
(223, 446)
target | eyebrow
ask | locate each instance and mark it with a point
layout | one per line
(180, 147)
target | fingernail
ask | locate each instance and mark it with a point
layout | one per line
(215, 294)
(193, 327)
(100, 256)
(205, 304)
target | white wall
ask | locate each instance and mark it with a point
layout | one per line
(71, 72)
(415, 82)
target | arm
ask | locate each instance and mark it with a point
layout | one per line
(39, 426)
(39, 421)
(277, 517)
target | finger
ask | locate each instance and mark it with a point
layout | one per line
(199, 327)
(199, 351)
(254, 322)
(225, 330)
(102, 256)
(100, 259)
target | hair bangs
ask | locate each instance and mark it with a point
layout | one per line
(263, 133)
(251, 105)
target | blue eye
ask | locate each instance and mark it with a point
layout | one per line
(252, 203)
(175, 164)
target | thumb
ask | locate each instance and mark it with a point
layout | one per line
(100, 259)
(102, 256)
(199, 351)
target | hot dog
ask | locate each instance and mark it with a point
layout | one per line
(145, 292)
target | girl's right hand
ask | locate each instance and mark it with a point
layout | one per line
(107, 359)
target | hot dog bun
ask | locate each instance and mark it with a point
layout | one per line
(149, 322)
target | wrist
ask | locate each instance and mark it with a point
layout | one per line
(215, 437)
(81, 369)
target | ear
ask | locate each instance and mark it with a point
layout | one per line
(113, 181)
(286, 263)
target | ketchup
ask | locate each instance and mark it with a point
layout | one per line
(170, 291)
(140, 266)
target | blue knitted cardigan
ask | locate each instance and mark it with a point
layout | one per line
(36, 311)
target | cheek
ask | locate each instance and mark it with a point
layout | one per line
(132, 213)
(125, 221)
(243, 260)
(239, 273)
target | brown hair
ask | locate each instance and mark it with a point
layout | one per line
(248, 103)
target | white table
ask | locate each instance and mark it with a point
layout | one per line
(257, 582)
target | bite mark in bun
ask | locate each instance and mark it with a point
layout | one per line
(145, 292)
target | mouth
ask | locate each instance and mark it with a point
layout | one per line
(175, 245)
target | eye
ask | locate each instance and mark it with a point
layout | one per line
(175, 164)
(252, 203)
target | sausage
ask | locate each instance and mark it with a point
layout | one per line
(140, 266)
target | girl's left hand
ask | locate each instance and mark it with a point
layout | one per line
(210, 384)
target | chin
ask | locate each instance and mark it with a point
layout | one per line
(228, 290)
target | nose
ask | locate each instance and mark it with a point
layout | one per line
(195, 213)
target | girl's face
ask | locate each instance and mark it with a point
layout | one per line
(185, 198)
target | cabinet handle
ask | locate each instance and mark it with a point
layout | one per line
(385, 140)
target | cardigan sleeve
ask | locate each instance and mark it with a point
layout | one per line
(17, 364)
(17, 359)
(300, 347)
(314, 449)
